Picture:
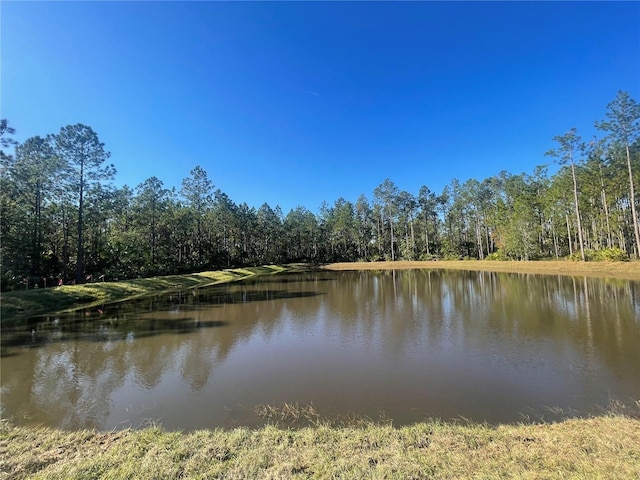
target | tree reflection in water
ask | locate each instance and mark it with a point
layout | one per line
(488, 346)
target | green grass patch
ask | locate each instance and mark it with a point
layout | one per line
(22, 304)
(601, 447)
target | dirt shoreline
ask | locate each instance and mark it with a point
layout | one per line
(619, 270)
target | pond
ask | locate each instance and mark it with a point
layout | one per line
(405, 345)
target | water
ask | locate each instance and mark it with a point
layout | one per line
(406, 345)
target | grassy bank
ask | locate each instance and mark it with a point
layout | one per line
(21, 304)
(603, 447)
(621, 270)
(25, 303)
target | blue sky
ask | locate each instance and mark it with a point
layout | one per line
(294, 103)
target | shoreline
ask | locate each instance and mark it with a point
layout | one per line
(22, 304)
(618, 270)
(596, 447)
(19, 305)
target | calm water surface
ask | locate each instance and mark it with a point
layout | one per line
(408, 345)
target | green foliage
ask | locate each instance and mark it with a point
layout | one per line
(59, 214)
(83, 155)
(623, 127)
(386, 199)
(576, 257)
(601, 255)
(611, 255)
(497, 255)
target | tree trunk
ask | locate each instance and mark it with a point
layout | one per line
(413, 242)
(80, 264)
(426, 233)
(632, 201)
(569, 235)
(393, 255)
(153, 235)
(575, 198)
(479, 238)
(606, 216)
(37, 234)
(486, 232)
(379, 235)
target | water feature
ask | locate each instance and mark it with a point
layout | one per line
(407, 345)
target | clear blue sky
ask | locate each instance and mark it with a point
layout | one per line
(294, 103)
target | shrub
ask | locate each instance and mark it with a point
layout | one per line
(7, 282)
(601, 255)
(610, 255)
(499, 255)
(576, 257)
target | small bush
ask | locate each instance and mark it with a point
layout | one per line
(610, 255)
(7, 282)
(601, 255)
(499, 255)
(576, 257)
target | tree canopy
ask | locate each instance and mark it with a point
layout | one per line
(63, 220)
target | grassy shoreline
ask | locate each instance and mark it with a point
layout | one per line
(600, 447)
(620, 270)
(25, 303)
(17, 305)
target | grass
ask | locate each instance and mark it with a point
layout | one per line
(600, 447)
(620, 270)
(22, 304)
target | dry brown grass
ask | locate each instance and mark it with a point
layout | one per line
(603, 447)
(621, 270)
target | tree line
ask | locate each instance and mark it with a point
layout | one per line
(64, 221)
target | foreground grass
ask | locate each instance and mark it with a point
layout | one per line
(621, 270)
(602, 447)
(21, 304)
